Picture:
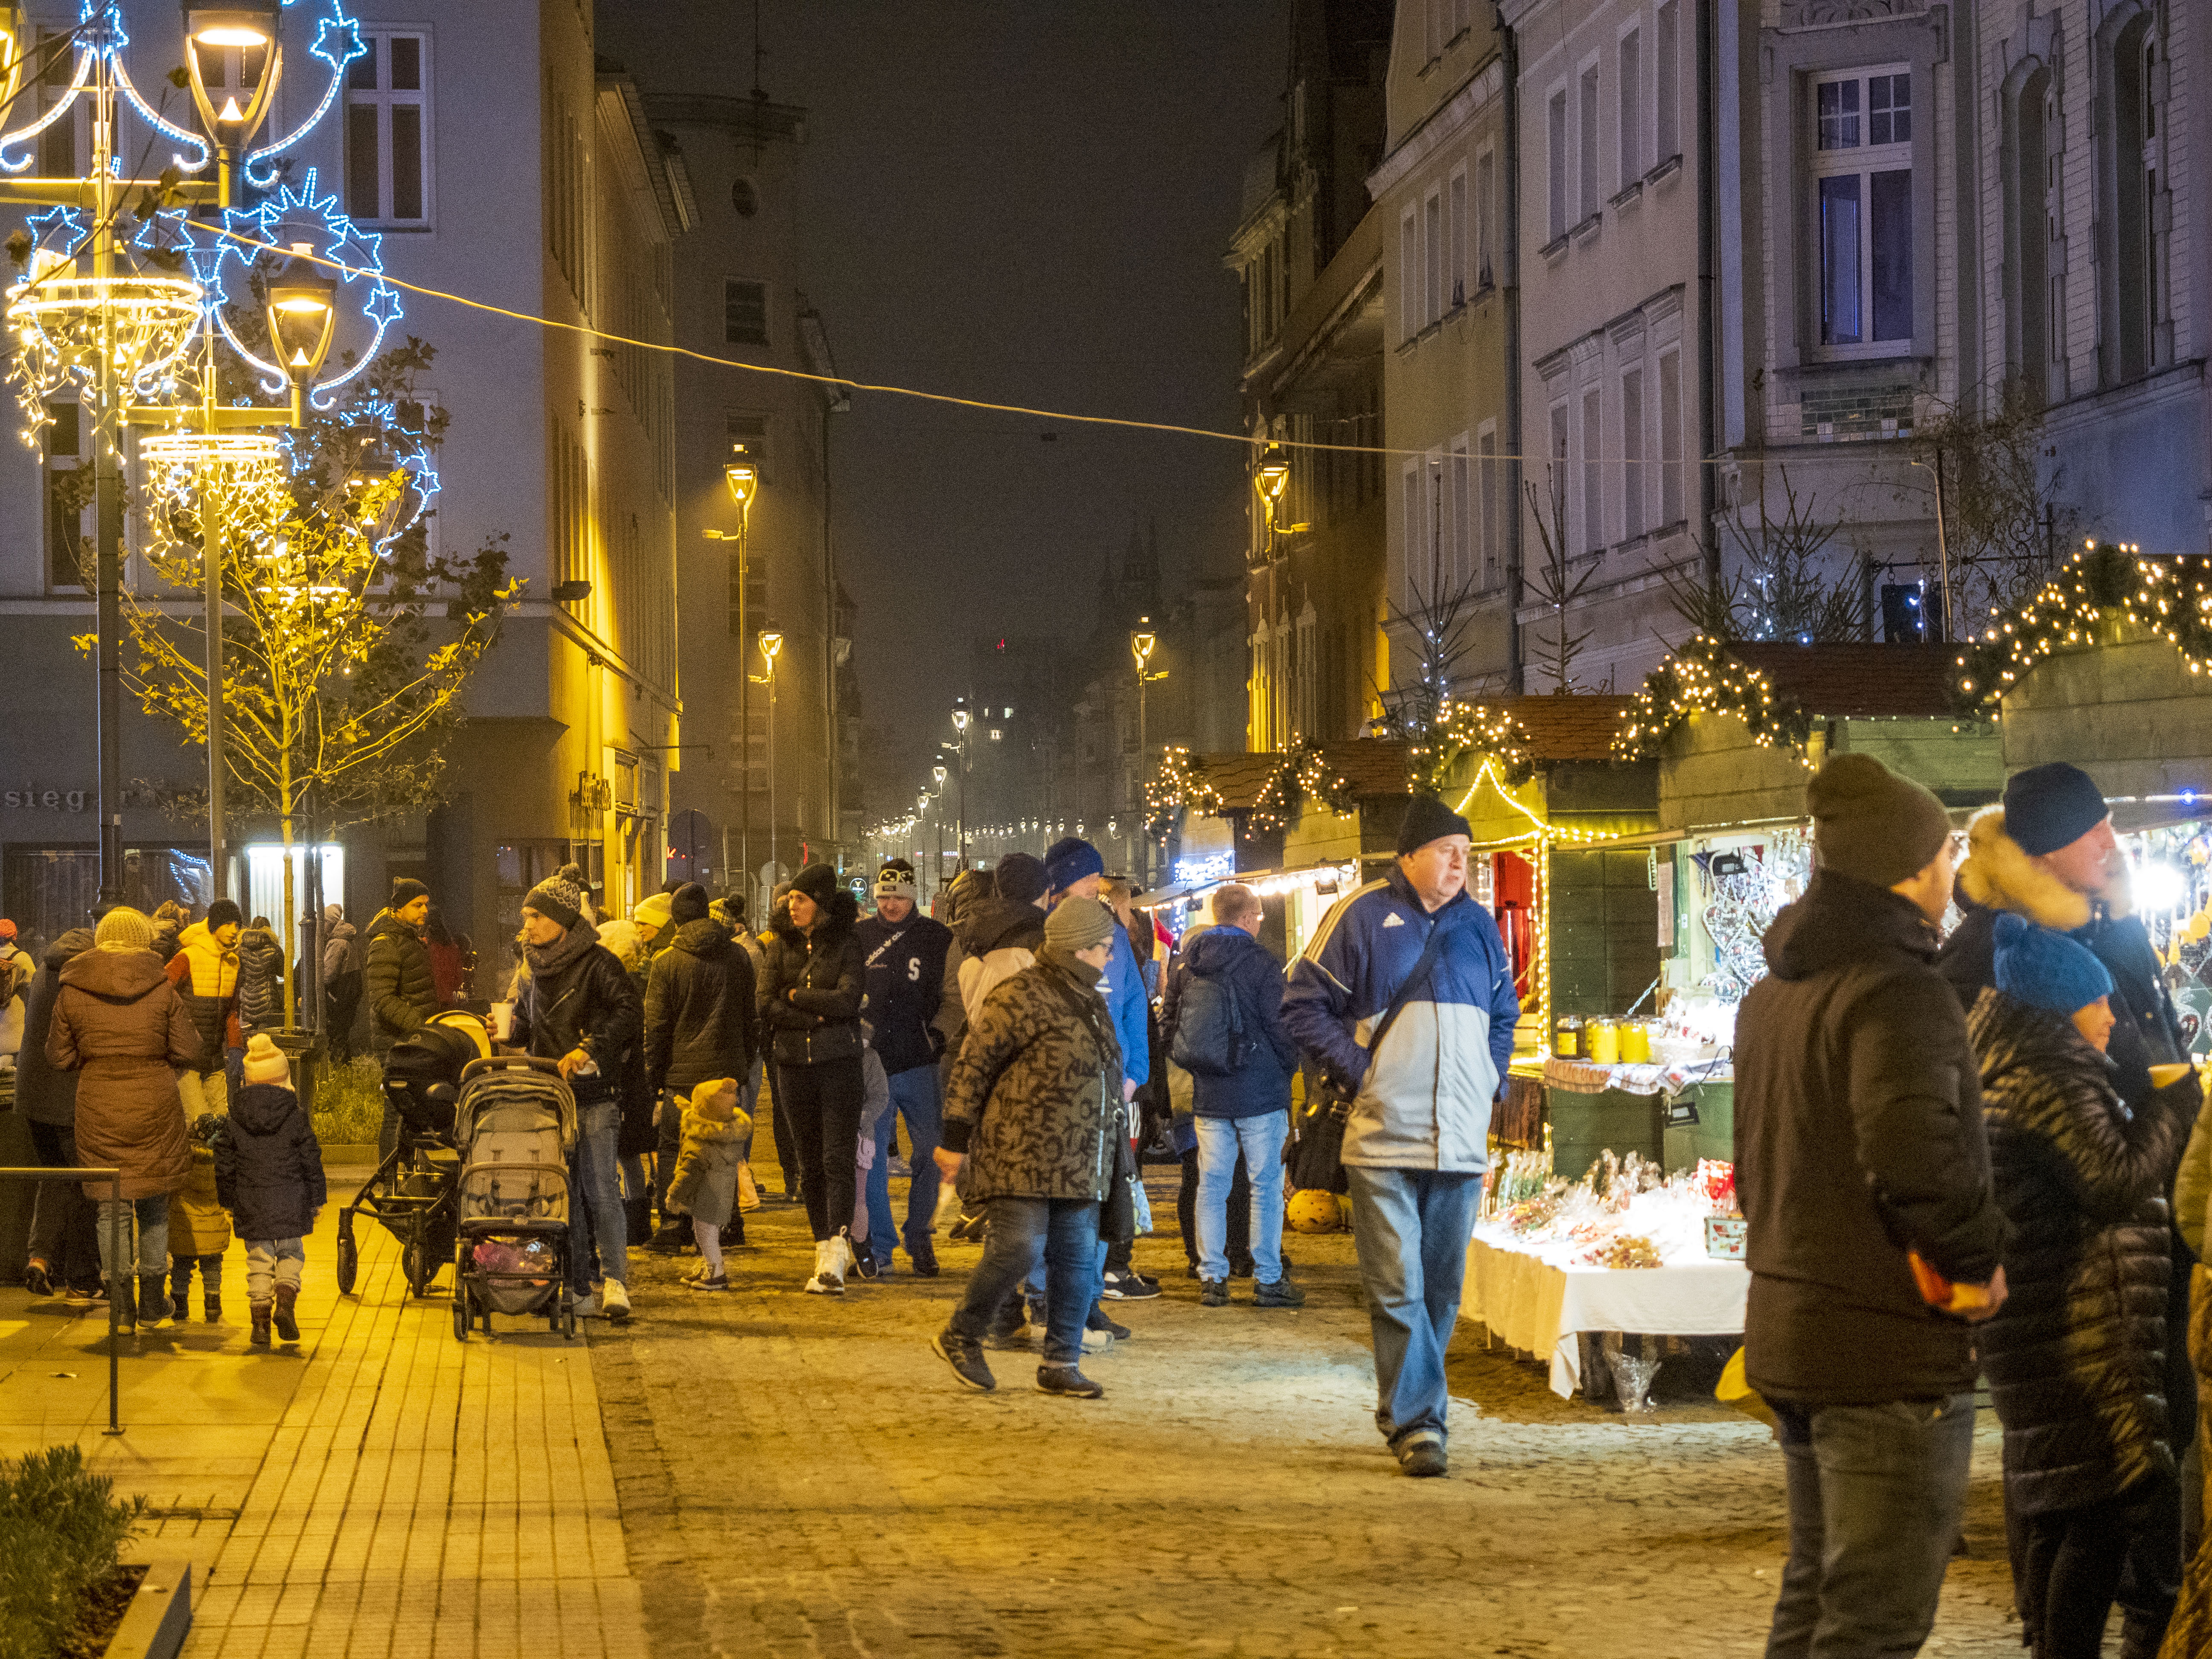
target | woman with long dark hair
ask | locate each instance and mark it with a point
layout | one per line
(809, 999)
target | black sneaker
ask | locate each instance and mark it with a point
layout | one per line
(864, 1262)
(1213, 1293)
(965, 1356)
(1100, 1321)
(922, 1255)
(1240, 1267)
(1068, 1380)
(36, 1281)
(1280, 1294)
(1009, 1331)
(1421, 1453)
(670, 1239)
(1129, 1287)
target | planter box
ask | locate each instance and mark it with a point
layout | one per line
(160, 1614)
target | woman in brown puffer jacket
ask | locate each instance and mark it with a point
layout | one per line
(118, 1021)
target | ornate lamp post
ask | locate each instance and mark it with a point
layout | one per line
(771, 643)
(743, 478)
(1142, 643)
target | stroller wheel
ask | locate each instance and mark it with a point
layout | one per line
(461, 1314)
(568, 1329)
(412, 1264)
(348, 1254)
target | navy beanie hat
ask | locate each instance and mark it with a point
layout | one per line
(817, 881)
(1021, 878)
(2053, 806)
(2047, 970)
(688, 903)
(1066, 862)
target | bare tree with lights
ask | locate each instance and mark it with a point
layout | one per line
(2006, 523)
(1784, 586)
(1555, 583)
(347, 642)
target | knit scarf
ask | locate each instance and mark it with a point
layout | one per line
(547, 960)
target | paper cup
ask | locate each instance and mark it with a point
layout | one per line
(2163, 1077)
(502, 1021)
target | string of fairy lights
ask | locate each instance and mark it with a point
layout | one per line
(2103, 585)
(1462, 729)
(1704, 677)
(1302, 773)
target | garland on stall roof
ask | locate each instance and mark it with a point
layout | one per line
(1305, 774)
(2100, 586)
(1470, 729)
(1704, 677)
(1181, 784)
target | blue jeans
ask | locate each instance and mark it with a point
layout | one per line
(1261, 1141)
(152, 1215)
(595, 1205)
(915, 1096)
(1875, 1494)
(1063, 1232)
(1412, 1228)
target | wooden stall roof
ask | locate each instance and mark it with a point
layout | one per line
(1577, 727)
(1856, 682)
(1372, 766)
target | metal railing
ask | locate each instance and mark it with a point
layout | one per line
(119, 1240)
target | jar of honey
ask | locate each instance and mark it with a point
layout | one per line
(1603, 1040)
(1567, 1036)
(1635, 1043)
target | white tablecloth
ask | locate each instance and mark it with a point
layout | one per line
(1532, 1299)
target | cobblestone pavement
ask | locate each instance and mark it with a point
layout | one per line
(798, 1476)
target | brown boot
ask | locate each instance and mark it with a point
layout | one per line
(288, 1329)
(260, 1312)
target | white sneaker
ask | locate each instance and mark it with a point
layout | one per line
(613, 1296)
(585, 1307)
(829, 1277)
(1098, 1341)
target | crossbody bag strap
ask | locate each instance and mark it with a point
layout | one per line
(1413, 982)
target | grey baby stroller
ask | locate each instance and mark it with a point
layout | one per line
(412, 1193)
(515, 1126)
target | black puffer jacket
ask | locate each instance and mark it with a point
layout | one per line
(1858, 1138)
(2077, 1357)
(699, 1009)
(44, 1093)
(904, 963)
(811, 987)
(269, 1166)
(401, 991)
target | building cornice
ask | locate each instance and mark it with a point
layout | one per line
(1439, 126)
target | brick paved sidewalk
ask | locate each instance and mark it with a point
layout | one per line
(383, 1490)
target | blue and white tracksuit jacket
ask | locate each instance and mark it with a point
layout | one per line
(1424, 1098)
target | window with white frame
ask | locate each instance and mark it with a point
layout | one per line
(1631, 453)
(1556, 123)
(387, 131)
(1460, 514)
(1486, 216)
(1409, 275)
(1862, 210)
(1432, 256)
(1593, 470)
(1671, 482)
(1666, 86)
(1631, 107)
(1415, 538)
(1489, 535)
(1555, 484)
(1456, 241)
(1589, 116)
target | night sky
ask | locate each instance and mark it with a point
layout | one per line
(1027, 204)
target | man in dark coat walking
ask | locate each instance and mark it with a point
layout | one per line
(903, 956)
(698, 1027)
(400, 985)
(1859, 1149)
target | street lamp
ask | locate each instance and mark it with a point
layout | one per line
(1142, 642)
(960, 724)
(302, 317)
(770, 643)
(244, 29)
(1270, 478)
(741, 476)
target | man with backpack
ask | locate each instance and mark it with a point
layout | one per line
(1227, 1016)
(1415, 963)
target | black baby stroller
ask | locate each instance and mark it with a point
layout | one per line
(515, 1127)
(413, 1191)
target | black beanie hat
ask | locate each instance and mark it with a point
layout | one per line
(2053, 806)
(817, 881)
(405, 891)
(222, 913)
(1872, 825)
(688, 903)
(1429, 819)
(1021, 876)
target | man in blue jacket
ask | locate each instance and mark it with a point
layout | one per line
(1416, 1134)
(904, 955)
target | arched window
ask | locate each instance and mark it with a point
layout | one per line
(2132, 254)
(2035, 262)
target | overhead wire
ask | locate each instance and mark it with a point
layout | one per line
(845, 383)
